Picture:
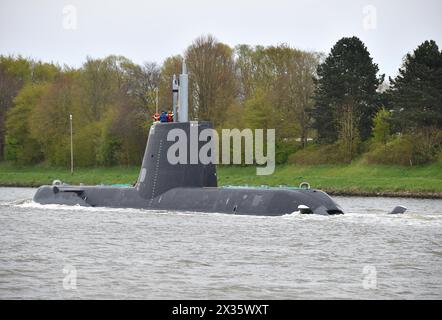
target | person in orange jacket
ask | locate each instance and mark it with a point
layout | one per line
(170, 116)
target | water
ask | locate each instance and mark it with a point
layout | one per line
(127, 253)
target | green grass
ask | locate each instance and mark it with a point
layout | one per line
(355, 178)
(11, 175)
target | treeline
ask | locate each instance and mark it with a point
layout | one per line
(110, 100)
(325, 109)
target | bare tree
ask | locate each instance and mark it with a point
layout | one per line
(212, 79)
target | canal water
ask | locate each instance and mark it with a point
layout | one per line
(62, 252)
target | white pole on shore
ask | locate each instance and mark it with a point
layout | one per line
(72, 147)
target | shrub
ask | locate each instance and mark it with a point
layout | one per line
(439, 157)
(317, 154)
(283, 150)
(402, 150)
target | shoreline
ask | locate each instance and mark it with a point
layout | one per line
(386, 194)
(354, 180)
(331, 192)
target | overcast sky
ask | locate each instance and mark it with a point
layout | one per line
(68, 31)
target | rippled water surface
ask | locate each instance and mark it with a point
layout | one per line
(49, 252)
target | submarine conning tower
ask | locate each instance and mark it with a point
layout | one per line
(158, 175)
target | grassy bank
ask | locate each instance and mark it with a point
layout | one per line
(357, 179)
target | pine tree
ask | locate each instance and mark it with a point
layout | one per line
(347, 74)
(416, 93)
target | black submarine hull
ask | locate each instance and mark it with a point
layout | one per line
(187, 187)
(241, 201)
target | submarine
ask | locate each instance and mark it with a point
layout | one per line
(187, 187)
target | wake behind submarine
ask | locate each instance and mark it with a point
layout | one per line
(187, 187)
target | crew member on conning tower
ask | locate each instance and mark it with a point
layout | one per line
(156, 118)
(163, 116)
(170, 116)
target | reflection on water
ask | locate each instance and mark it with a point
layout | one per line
(49, 252)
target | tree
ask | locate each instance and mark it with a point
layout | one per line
(141, 84)
(347, 74)
(284, 77)
(349, 137)
(258, 108)
(212, 79)
(381, 126)
(302, 89)
(111, 101)
(21, 146)
(49, 120)
(249, 66)
(416, 98)
(99, 84)
(14, 72)
(416, 93)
